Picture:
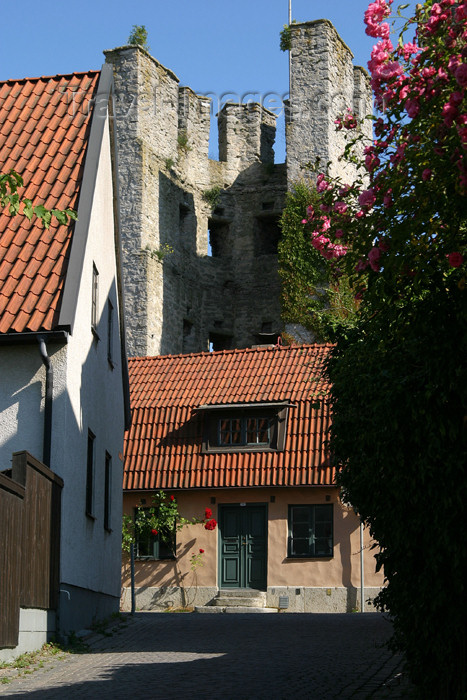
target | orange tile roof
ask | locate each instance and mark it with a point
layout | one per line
(44, 131)
(163, 448)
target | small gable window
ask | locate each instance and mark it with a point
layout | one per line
(310, 531)
(90, 475)
(110, 333)
(244, 427)
(95, 299)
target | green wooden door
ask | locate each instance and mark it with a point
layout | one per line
(243, 546)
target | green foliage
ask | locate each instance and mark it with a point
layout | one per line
(212, 196)
(139, 37)
(169, 163)
(182, 142)
(27, 663)
(161, 252)
(197, 560)
(286, 37)
(312, 295)
(9, 197)
(399, 377)
(162, 516)
(399, 428)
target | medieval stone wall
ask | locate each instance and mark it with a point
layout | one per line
(324, 84)
(200, 236)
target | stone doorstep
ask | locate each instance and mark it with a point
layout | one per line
(241, 593)
(237, 600)
(217, 609)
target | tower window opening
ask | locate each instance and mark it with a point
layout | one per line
(218, 341)
(218, 239)
(267, 235)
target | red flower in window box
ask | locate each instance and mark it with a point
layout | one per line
(210, 525)
(172, 497)
(208, 514)
(154, 532)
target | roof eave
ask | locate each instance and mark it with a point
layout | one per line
(28, 337)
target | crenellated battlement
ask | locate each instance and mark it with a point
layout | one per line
(220, 285)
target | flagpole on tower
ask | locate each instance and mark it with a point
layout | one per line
(290, 50)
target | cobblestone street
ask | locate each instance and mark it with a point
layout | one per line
(241, 656)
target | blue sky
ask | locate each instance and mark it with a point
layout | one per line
(214, 46)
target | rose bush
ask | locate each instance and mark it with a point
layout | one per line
(399, 374)
(161, 519)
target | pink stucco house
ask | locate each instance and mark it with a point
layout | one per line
(242, 433)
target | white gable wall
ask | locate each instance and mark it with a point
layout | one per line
(90, 554)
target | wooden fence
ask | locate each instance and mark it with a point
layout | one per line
(30, 498)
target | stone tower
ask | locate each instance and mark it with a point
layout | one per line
(200, 236)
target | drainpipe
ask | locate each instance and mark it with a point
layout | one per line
(362, 570)
(49, 384)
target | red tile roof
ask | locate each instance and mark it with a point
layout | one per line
(44, 130)
(163, 448)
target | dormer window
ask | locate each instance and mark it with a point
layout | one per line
(244, 427)
(247, 430)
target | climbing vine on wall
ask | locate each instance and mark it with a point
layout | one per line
(10, 184)
(313, 295)
(162, 518)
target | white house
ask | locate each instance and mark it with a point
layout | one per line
(63, 369)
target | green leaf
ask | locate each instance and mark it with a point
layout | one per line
(61, 216)
(28, 209)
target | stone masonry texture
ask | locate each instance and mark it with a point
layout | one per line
(200, 236)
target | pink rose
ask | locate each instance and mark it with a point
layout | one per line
(449, 113)
(455, 259)
(373, 258)
(367, 199)
(361, 266)
(461, 75)
(412, 108)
